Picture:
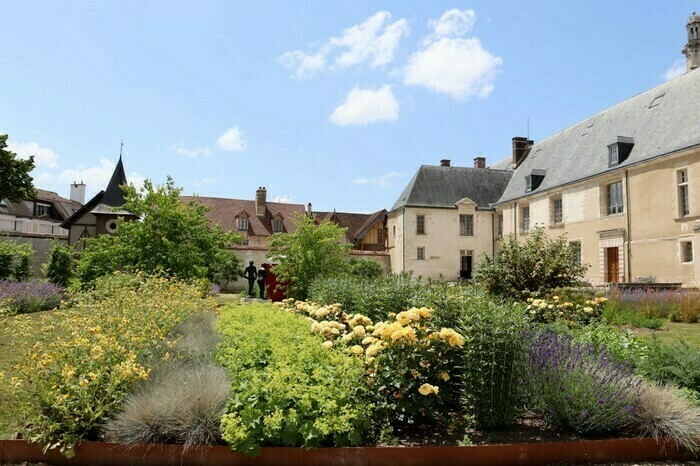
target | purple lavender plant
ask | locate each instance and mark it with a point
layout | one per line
(31, 296)
(575, 387)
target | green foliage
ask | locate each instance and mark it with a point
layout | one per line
(311, 251)
(624, 347)
(493, 360)
(374, 298)
(15, 260)
(59, 268)
(229, 269)
(620, 315)
(15, 181)
(538, 264)
(286, 388)
(364, 268)
(172, 238)
(672, 362)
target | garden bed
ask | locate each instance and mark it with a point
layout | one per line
(579, 452)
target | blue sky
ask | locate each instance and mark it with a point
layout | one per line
(334, 103)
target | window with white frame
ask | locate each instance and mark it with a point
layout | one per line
(613, 155)
(242, 223)
(420, 254)
(557, 211)
(687, 251)
(614, 198)
(42, 210)
(683, 197)
(466, 225)
(525, 214)
(420, 224)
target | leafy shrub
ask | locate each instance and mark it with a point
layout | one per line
(493, 360)
(672, 362)
(579, 388)
(287, 389)
(15, 260)
(549, 310)
(538, 264)
(622, 346)
(364, 268)
(59, 268)
(619, 315)
(664, 414)
(374, 298)
(26, 297)
(78, 380)
(410, 362)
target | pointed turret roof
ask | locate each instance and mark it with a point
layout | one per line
(114, 195)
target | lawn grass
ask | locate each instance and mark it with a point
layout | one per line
(12, 350)
(228, 298)
(672, 331)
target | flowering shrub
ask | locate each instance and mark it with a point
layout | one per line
(655, 305)
(549, 310)
(78, 380)
(286, 388)
(410, 365)
(24, 297)
(577, 387)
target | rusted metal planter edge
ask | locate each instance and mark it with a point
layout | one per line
(592, 451)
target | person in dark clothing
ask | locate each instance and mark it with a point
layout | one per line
(250, 273)
(262, 273)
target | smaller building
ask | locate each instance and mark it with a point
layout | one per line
(99, 215)
(443, 220)
(42, 215)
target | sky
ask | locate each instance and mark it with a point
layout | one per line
(333, 103)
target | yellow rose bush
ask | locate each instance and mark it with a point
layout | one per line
(545, 310)
(410, 364)
(81, 378)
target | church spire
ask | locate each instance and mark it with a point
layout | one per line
(114, 196)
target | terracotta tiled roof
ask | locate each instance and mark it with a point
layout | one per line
(224, 212)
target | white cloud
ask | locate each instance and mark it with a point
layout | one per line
(384, 181)
(452, 23)
(283, 199)
(375, 41)
(364, 106)
(232, 140)
(43, 156)
(180, 148)
(677, 69)
(303, 65)
(203, 182)
(460, 68)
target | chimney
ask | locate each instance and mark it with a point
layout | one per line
(445, 162)
(309, 212)
(479, 162)
(520, 146)
(260, 201)
(77, 192)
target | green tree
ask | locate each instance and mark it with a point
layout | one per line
(538, 264)
(229, 269)
(15, 260)
(311, 251)
(171, 237)
(59, 268)
(15, 182)
(365, 268)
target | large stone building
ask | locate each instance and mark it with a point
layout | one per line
(623, 185)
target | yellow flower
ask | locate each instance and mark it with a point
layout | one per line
(327, 344)
(427, 389)
(83, 383)
(359, 331)
(358, 350)
(424, 312)
(444, 376)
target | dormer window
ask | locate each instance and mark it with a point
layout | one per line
(534, 180)
(42, 210)
(242, 223)
(277, 225)
(619, 150)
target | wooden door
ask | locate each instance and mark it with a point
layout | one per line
(612, 261)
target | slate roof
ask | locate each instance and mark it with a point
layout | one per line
(581, 151)
(358, 225)
(224, 211)
(438, 186)
(62, 208)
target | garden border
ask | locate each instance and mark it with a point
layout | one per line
(591, 451)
